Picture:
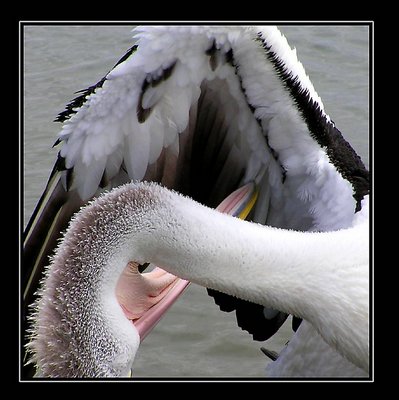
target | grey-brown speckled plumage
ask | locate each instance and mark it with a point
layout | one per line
(70, 336)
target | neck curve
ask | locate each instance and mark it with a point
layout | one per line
(321, 277)
(79, 329)
(311, 275)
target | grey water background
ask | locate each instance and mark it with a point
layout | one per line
(194, 339)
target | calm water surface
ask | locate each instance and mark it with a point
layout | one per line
(194, 339)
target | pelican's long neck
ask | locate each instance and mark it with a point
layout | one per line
(321, 277)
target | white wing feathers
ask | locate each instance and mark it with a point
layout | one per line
(145, 102)
(105, 131)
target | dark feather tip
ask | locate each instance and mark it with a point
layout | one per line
(273, 355)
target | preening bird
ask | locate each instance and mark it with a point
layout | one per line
(205, 111)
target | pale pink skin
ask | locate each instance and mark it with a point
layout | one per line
(145, 297)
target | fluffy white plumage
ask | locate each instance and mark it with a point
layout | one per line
(105, 131)
(321, 277)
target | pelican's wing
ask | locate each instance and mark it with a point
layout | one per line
(203, 110)
(54, 209)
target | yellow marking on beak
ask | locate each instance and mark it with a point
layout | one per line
(250, 203)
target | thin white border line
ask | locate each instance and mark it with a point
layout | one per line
(194, 379)
(253, 22)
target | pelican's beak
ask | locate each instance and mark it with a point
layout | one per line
(238, 204)
(151, 317)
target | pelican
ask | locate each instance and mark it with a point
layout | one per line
(205, 110)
